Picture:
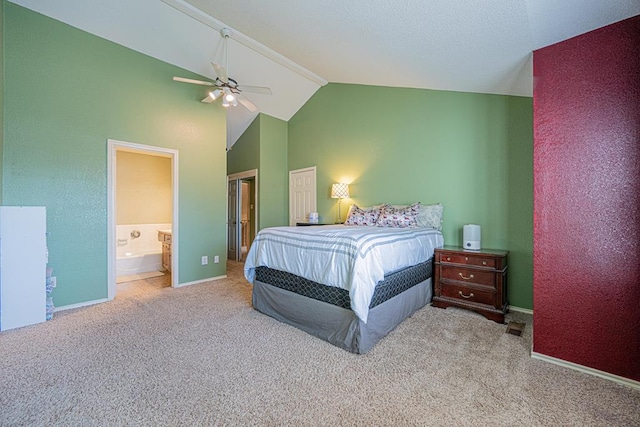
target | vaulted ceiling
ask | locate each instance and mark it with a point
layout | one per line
(296, 46)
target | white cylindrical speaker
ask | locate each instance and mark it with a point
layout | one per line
(471, 237)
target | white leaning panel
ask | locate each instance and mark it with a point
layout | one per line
(23, 248)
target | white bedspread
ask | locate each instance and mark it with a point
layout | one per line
(349, 257)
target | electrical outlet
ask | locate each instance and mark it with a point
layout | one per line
(205, 260)
(216, 259)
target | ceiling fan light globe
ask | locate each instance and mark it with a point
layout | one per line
(229, 97)
(225, 103)
(214, 94)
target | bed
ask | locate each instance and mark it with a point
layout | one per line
(347, 285)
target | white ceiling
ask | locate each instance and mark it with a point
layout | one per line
(296, 46)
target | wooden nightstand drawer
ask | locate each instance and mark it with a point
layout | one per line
(473, 280)
(468, 259)
(467, 294)
(480, 277)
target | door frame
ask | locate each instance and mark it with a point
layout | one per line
(113, 146)
(238, 176)
(315, 193)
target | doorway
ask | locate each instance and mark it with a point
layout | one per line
(140, 242)
(242, 213)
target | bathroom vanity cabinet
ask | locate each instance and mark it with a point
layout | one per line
(164, 236)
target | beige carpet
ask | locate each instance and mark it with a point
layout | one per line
(200, 355)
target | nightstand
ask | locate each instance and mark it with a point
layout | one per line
(475, 280)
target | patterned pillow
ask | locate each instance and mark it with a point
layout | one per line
(362, 216)
(400, 217)
(366, 208)
(430, 216)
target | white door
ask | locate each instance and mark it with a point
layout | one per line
(232, 215)
(245, 218)
(302, 194)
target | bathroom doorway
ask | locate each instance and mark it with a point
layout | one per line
(242, 223)
(142, 216)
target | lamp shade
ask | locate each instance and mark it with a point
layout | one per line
(340, 191)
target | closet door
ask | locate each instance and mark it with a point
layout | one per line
(302, 194)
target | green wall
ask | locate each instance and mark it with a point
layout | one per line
(66, 92)
(244, 156)
(471, 152)
(263, 146)
(245, 153)
(274, 177)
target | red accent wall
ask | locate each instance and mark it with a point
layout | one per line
(587, 199)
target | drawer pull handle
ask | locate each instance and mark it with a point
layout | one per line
(448, 258)
(466, 278)
(465, 296)
(484, 262)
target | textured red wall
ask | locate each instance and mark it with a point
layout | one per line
(587, 199)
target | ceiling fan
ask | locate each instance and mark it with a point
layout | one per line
(224, 86)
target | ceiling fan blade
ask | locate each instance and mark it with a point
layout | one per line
(221, 72)
(248, 104)
(255, 89)
(197, 82)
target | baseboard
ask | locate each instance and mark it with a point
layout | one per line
(179, 285)
(80, 304)
(98, 301)
(520, 309)
(595, 372)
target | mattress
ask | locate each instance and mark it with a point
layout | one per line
(354, 259)
(393, 284)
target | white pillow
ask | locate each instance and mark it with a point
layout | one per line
(430, 216)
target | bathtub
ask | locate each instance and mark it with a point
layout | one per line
(138, 249)
(138, 263)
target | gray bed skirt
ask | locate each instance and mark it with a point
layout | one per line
(336, 325)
